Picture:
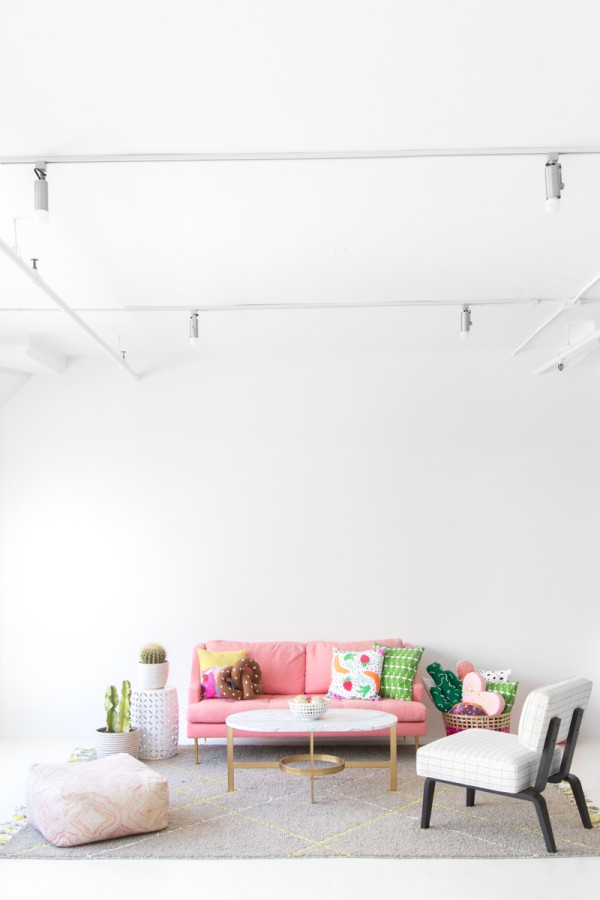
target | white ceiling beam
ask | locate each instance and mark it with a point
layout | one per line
(579, 349)
(566, 304)
(44, 357)
(36, 278)
(33, 358)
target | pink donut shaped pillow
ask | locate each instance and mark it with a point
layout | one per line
(467, 709)
(474, 691)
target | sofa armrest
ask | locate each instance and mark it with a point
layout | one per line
(194, 692)
(417, 693)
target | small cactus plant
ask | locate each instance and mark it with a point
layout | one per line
(118, 711)
(152, 654)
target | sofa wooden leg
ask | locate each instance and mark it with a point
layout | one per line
(416, 741)
(196, 744)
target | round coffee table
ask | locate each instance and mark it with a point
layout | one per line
(335, 721)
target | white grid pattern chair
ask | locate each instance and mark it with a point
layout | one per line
(517, 765)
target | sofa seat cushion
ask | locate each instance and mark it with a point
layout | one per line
(404, 710)
(483, 758)
(214, 712)
(319, 655)
(282, 663)
(78, 803)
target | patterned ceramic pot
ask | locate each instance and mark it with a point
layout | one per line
(152, 676)
(108, 743)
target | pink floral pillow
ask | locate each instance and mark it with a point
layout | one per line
(211, 664)
(356, 674)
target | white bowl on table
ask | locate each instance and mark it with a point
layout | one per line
(312, 710)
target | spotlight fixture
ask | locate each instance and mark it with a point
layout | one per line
(465, 323)
(40, 194)
(554, 184)
(194, 328)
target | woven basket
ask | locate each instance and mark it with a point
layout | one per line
(308, 710)
(455, 723)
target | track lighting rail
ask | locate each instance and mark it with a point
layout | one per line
(358, 304)
(73, 159)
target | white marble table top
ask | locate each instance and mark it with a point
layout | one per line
(334, 720)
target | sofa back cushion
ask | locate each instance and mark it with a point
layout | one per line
(282, 663)
(319, 656)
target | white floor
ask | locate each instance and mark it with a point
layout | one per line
(515, 879)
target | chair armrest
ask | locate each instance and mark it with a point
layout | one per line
(417, 691)
(194, 692)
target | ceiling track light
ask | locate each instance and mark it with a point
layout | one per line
(465, 322)
(554, 184)
(41, 210)
(194, 328)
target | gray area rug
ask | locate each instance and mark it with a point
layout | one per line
(355, 816)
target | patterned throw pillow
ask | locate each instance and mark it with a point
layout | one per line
(497, 676)
(356, 674)
(399, 669)
(211, 664)
(508, 689)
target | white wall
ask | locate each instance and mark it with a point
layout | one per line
(450, 499)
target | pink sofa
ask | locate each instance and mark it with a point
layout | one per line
(290, 668)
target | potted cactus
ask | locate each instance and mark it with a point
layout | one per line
(117, 736)
(153, 667)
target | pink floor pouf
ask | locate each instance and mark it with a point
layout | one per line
(81, 802)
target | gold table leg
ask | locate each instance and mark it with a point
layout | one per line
(393, 758)
(229, 758)
(312, 767)
(287, 764)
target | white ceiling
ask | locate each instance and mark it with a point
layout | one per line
(191, 76)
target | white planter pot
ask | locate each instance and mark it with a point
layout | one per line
(152, 676)
(108, 743)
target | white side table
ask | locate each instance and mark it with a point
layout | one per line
(156, 714)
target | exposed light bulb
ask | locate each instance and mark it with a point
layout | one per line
(42, 216)
(552, 206)
(194, 329)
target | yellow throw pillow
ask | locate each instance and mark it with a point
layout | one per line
(210, 665)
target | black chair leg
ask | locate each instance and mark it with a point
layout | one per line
(470, 796)
(580, 800)
(428, 792)
(544, 820)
